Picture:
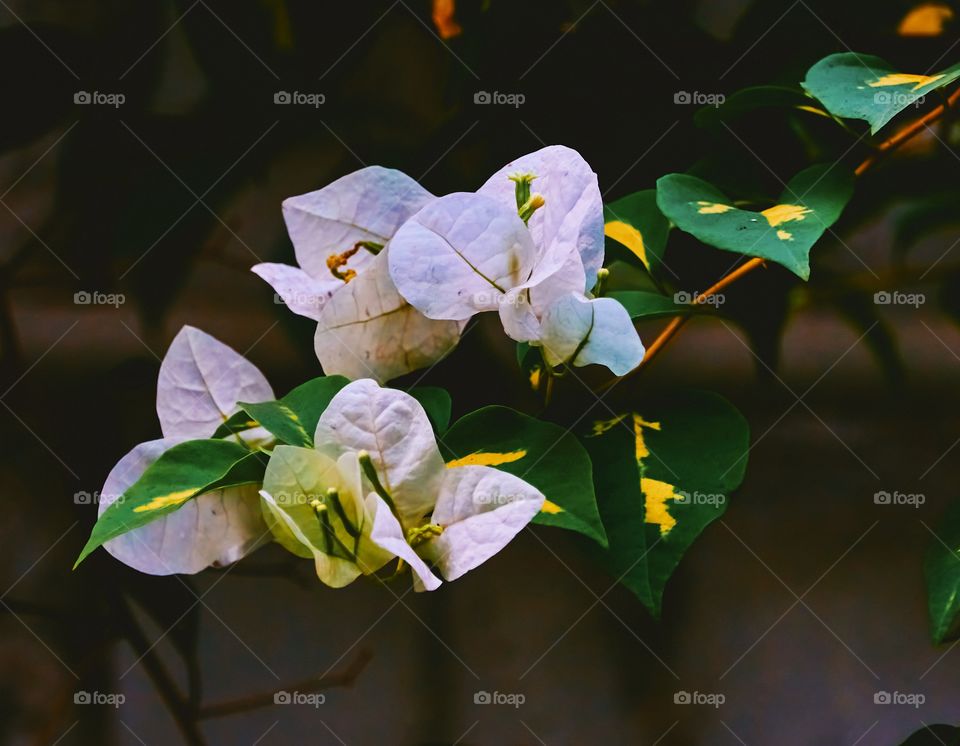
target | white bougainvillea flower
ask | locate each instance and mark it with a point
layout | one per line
(416, 509)
(529, 245)
(201, 380)
(365, 327)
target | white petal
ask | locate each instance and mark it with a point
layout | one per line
(216, 528)
(459, 255)
(302, 294)
(388, 534)
(201, 380)
(333, 571)
(393, 427)
(367, 330)
(573, 214)
(481, 509)
(366, 205)
(596, 331)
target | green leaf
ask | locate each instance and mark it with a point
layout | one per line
(641, 304)
(941, 568)
(935, 735)
(541, 453)
(437, 403)
(751, 99)
(861, 86)
(180, 474)
(784, 233)
(663, 473)
(293, 418)
(636, 222)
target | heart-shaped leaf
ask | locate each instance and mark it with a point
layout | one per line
(541, 453)
(783, 233)
(663, 472)
(861, 86)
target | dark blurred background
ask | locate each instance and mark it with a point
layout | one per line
(801, 604)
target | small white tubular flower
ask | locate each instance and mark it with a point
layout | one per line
(338, 233)
(416, 509)
(529, 245)
(201, 380)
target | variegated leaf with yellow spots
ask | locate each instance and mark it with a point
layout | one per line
(861, 86)
(662, 473)
(180, 474)
(784, 232)
(636, 222)
(540, 453)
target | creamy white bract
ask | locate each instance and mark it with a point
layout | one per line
(375, 488)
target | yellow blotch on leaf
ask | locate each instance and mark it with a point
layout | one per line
(629, 237)
(487, 459)
(166, 501)
(785, 235)
(918, 81)
(551, 508)
(638, 424)
(535, 378)
(779, 214)
(713, 208)
(656, 494)
(927, 19)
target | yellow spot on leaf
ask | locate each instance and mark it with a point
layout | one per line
(487, 459)
(638, 424)
(918, 81)
(656, 494)
(551, 508)
(443, 12)
(785, 235)
(166, 501)
(779, 214)
(713, 208)
(629, 237)
(927, 19)
(601, 426)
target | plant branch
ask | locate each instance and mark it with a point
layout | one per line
(884, 149)
(345, 677)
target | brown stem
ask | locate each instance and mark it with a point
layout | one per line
(345, 677)
(886, 147)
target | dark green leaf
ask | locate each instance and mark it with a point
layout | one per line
(861, 86)
(942, 571)
(437, 403)
(662, 474)
(636, 222)
(541, 453)
(783, 233)
(757, 97)
(180, 474)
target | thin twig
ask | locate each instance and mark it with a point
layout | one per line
(343, 678)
